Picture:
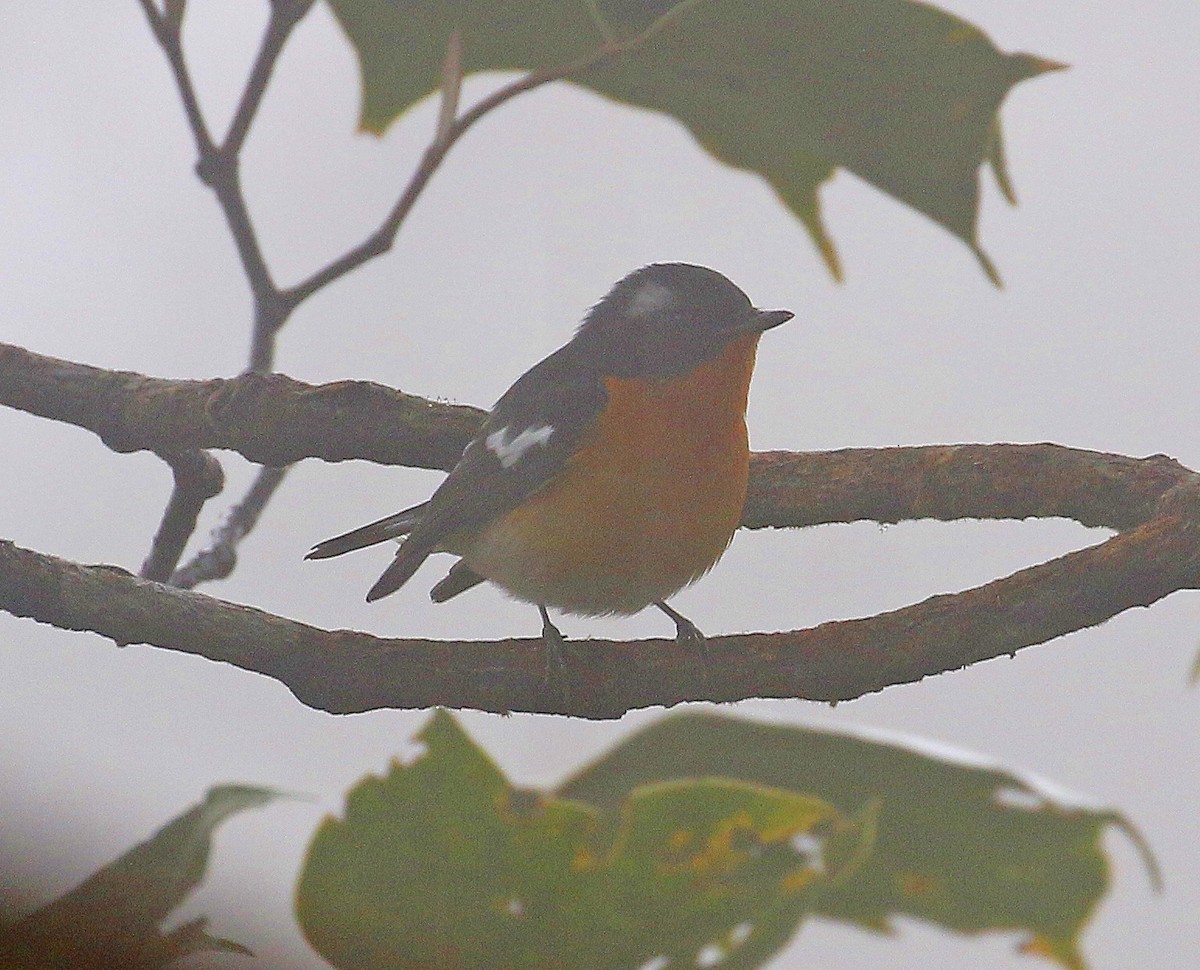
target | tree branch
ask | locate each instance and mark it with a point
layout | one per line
(166, 29)
(218, 167)
(272, 418)
(344, 672)
(285, 15)
(220, 558)
(450, 131)
(949, 482)
(275, 420)
(198, 477)
(267, 418)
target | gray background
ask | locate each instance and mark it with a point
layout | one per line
(111, 253)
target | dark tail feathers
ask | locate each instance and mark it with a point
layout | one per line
(408, 560)
(391, 527)
(460, 579)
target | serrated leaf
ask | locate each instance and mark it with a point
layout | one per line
(968, 846)
(443, 864)
(904, 95)
(112, 918)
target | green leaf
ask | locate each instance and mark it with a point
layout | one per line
(443, 864)
(112, 918)
(968, 846)
(900, 93)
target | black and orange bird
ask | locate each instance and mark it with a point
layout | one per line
(610, 475)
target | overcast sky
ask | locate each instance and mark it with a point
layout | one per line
(111, 253)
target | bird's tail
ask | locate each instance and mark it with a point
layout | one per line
(408, 560)
(391, 527)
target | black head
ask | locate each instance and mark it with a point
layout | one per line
(665, 319)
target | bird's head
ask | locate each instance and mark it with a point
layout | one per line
(665, 319)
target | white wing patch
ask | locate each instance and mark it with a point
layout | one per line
(511, 451)
(649, 299)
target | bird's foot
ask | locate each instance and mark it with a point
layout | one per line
(687, 634)
(552, 645)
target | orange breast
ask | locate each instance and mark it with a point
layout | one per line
(646, 506)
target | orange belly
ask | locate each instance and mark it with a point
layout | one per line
(646, 506)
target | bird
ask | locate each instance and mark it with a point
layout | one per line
(612, 474)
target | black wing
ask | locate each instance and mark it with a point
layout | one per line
(532, 432)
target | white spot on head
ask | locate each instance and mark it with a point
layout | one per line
(655, 963)
(710, 956)
(516, 907)
(740, 933)
(511, 451)
(649, 299)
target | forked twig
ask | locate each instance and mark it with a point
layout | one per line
(218, 167)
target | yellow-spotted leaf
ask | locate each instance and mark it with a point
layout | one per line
(441, 863)
(902, 94)
(958, 842)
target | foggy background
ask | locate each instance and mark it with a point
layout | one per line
(113, 254)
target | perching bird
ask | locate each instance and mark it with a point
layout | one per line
(610, 475)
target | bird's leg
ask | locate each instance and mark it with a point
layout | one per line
(686, 632)
(552, 642)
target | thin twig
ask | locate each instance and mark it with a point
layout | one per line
(284, 17)
(218, 560)
(167, 32)
(382, 239)
(221, 170)
(153, 14)
(452, 77)
(218, 167)
(198, 477)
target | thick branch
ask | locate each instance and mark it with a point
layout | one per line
(948, 482)
(268, 418)
(343, 672)
(274, 420)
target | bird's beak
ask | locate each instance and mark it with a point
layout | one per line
(766, 319)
